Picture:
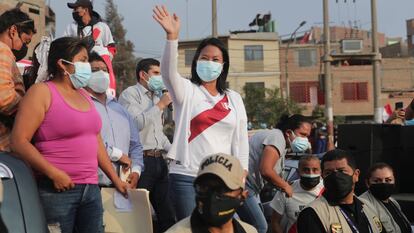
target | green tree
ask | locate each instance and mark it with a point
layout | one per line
(254, 102)
(264, 105)
(318, 114)
(124, 61)
(276, 106)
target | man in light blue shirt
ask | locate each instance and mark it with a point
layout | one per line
(118, 132)
(146, 104)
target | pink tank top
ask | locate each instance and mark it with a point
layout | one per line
(67, 138)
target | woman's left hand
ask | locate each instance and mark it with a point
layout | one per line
(170, 23)
(122, 187)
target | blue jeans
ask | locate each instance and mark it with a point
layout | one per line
(252, 212)
(76, 210)
(182, 195)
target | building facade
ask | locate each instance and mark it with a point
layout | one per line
(352, 79)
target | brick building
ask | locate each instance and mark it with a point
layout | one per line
(352, 87)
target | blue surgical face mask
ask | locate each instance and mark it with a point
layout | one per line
(82, 74)
(299, 144)
(99, 81)
(208, 70)
(155, 83)
(409, 122)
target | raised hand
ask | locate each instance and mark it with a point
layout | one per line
(170, 23)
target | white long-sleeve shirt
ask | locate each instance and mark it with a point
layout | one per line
(223, 118)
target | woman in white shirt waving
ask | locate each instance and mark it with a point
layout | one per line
(209, 118)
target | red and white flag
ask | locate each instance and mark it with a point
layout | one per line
(386, 112)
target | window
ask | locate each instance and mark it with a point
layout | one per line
(355, 91)
(306, 92)
(189, 55)
(253, 58)
(306, 57)
(253, 52)
(34, 11)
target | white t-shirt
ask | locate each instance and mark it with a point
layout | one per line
(217, 138)
(290, 208)
(101, 34)
(204, 124)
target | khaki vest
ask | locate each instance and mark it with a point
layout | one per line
(334, 221)
(382, 212)
(184, 226)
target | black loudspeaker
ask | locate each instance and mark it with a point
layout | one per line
(372, 143)
(405, 168)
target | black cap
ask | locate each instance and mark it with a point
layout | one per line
(82, 3)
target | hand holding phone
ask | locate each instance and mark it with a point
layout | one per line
(399, 105)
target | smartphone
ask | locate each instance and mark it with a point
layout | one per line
(399, 105)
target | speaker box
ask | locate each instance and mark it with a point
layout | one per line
(405, 168)
(369, 144)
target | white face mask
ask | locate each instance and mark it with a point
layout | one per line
(99, 81)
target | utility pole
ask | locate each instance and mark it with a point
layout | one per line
(186, 17)
(287, 58)
(214, 18)
(376, 64)
(327, 59)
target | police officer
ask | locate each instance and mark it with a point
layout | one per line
(338, 209)
(381, 184)
(220, 192)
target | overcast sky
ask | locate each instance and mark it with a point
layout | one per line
(195, 16)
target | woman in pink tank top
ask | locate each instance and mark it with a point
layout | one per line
(64, 125)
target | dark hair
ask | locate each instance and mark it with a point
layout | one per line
(307, 158)
(338, 154)
(293, 122)
(145, 65)
(19, 18)
(93, 56)
(63, 48)
(221, 80)
(212, 180)
(30, 72)
(377, 166)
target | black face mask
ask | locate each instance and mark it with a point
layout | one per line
(215, 209)
(77, 18)
(382, 191)
(309, 182)
(20, 54)
(338, 185)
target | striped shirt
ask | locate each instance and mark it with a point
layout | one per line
(11, 92)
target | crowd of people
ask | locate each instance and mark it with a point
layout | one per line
(77, 137)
